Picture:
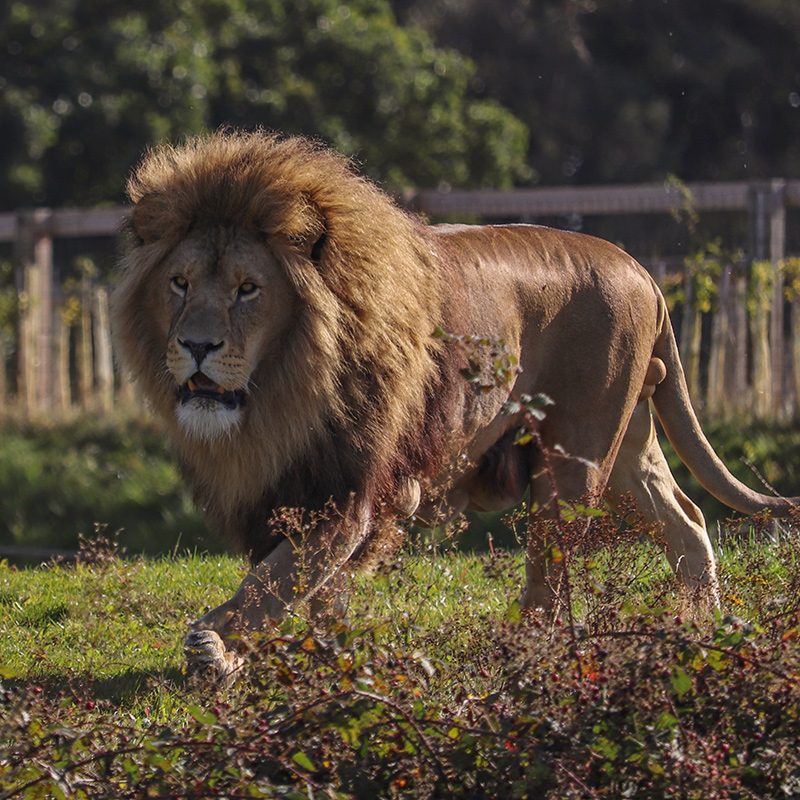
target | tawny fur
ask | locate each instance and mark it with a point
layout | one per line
(362, 356)
(352, 403)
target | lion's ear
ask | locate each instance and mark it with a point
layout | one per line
(150, 218)
(309, 247)
(318, 248)
(312, 241)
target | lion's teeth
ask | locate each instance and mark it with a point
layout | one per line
(192, 385)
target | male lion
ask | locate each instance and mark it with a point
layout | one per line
(279, 313)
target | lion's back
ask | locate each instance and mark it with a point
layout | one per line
(537, 272)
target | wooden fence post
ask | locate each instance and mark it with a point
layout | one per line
(763, 401)
(720, 330)
(777, 254)
(33, 257)
(84, 351)
(659, 273)
(767, 207)
(735, 378)
(795, 352)
(103, 359)
(691, 330)
(63, 391)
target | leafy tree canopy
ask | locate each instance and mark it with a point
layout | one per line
(629, 90)
(86, 85)
(612, 91)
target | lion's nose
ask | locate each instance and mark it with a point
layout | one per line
(199, 350)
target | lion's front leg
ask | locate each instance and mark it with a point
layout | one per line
(293, 572)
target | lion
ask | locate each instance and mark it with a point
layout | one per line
(279, 310)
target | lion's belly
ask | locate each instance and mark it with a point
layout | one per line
(488, 474)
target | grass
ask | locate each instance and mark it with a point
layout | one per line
(435, 686)
(115, 622)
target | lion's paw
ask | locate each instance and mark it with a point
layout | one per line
(207, 657)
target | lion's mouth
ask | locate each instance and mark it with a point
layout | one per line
(201, 387)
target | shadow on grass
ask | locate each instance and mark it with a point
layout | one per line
(118, 689)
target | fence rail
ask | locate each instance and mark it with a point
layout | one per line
(650, 198)
(743, 358)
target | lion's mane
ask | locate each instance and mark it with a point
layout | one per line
(356, 400)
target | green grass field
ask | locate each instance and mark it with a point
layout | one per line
(436, 685)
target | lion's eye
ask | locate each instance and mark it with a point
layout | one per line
(179, 285)
(247, 291)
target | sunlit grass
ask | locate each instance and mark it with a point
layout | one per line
(434, 679)
(125, 619)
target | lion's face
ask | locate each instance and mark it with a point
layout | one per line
(225, 304)
(275, 307)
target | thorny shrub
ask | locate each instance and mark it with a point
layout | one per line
(617, 697)
(625, 700)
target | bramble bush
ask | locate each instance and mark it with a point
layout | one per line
(633, 693)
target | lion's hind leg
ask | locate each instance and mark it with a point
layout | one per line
(563, 480)
(569, 468)
(641, 472)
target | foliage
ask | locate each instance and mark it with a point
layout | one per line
(614, 91)
(703, 267)
(686, 213)
(628, 91)
(64, 478)
(9, 307)
(490, 363)
(436, 687)
(86, 85)
(759, 294)
(348, 73)
(790, 268)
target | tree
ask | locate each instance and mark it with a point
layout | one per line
(633, 90)
(87, 84)
(348, 73)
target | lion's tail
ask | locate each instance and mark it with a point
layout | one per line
(674, 408)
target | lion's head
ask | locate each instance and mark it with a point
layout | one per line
(274, 305)
(226, 308)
